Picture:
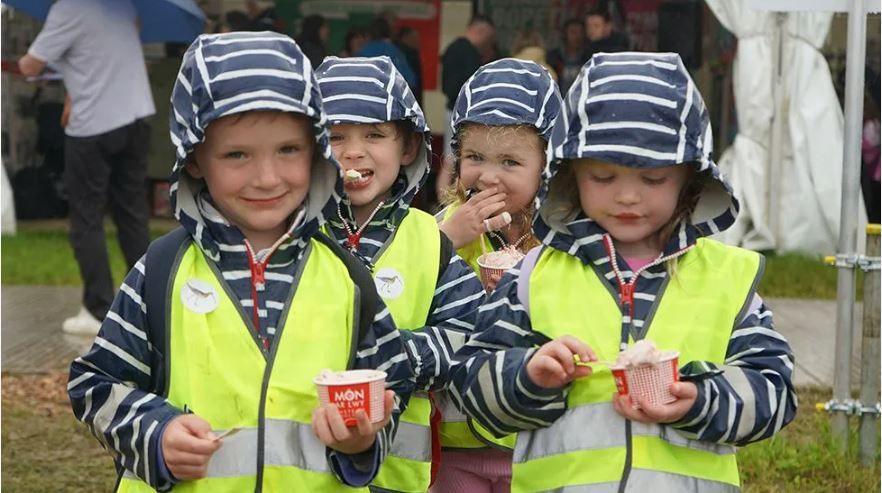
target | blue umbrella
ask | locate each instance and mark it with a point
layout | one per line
(161, 20)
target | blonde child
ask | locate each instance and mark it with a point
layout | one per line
(380, 137)
(225, 322)
(623, 215)
(502, 121)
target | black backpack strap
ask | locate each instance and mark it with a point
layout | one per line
(447, 252)
(162, 257)
(362, 279)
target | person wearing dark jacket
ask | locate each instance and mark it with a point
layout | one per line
(602, 35)
(313, 35)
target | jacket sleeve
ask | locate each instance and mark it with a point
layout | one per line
(490, 382)
(109, 387)
(751, 396)
(382, 349)
(452, 314)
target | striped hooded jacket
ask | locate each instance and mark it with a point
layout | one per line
(109, 387)
(639, 110)
(371, 90)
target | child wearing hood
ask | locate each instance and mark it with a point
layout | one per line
(624, 214)
(225, 322)
(380, 138)
(502, 122)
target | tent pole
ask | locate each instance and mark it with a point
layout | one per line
(845, 291)
(776, 142)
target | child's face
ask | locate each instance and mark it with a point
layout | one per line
(631, 204)
(509, 159)
(377, 151)
(257, 168)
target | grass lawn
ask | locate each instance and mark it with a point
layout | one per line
(43, 256)
(45, 449)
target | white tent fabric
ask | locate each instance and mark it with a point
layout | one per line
(809, 198)
(7, 205)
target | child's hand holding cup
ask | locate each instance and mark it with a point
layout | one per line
(354, 408)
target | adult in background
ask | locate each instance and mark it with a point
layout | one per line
(461, 59)
(568, 58)
(528, 45)
(408, 41)
(602, 35)
(314, 35)
(356, 38)
(381, 45)
(94, 44)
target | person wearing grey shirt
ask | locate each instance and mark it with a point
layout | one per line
(94, 45)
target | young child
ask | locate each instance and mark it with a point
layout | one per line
(380, 138)
(502, 122)
(252, 303)
(623, 215)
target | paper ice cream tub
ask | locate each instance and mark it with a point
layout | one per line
(652, 381)
(352, 390)
(494, 264)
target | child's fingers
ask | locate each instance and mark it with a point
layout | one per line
(492, 208)
(576, 346)
(564, 357)
(363, 423)
(186, 459)
(389, 405)
(485, 194)
(337, 424)
(684, 390)
(190, 472)
(320, 426)
(582, 372)
(195, 445)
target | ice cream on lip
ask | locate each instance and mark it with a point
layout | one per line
(642, 353)
(351, 175)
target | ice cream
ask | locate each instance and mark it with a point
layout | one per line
(502, 259)
(351, 175)
(642, 353)
(328, 377)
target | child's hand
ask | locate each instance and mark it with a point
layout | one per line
(491, 281)
(187, 445)
(553, 367)
(329, 427)
(685, 392)
(468, 222)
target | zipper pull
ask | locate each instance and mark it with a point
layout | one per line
(257, 276)
(626, 293)
(353, 240)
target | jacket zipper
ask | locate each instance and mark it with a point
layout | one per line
(258, 281)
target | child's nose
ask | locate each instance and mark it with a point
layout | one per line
(488, 178)
(627, 195)
(352, 150)
(267, 174)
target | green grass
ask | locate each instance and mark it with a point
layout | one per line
(46, 449)
(804, 458)
(43, 256)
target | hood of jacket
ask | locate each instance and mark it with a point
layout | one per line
(226, 74)
(371, 90)
(640, 110)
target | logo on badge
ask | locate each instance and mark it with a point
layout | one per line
(199, 296)
(389, 282)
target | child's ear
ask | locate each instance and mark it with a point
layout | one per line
(411, 148)
(192, 167)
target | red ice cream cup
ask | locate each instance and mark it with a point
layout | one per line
(651, 382)
(352, 390)
(488, 271)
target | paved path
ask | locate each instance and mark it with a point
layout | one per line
(31, 319)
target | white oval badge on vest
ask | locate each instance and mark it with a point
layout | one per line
(389, 282)
(199, 296)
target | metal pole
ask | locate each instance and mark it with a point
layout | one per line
(854, 99)
(776, 142)
(869, 430)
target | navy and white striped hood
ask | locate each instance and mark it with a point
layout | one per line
(640, 110)
(508, 92)
(225, 74)
(371, 90)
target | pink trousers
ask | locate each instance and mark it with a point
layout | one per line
(479, 471)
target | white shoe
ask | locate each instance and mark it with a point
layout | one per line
(82, 323)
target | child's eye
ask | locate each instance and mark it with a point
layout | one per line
(289, 149)
(235, 155)
(473, 157)
(335, 138)
(602, 179)
(375, 135)
(510, 163)
(654, 181)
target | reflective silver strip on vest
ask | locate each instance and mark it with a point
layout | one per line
(567, 434)
(412, 441)
(449, 412)
(288, 443)
(642, 480)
